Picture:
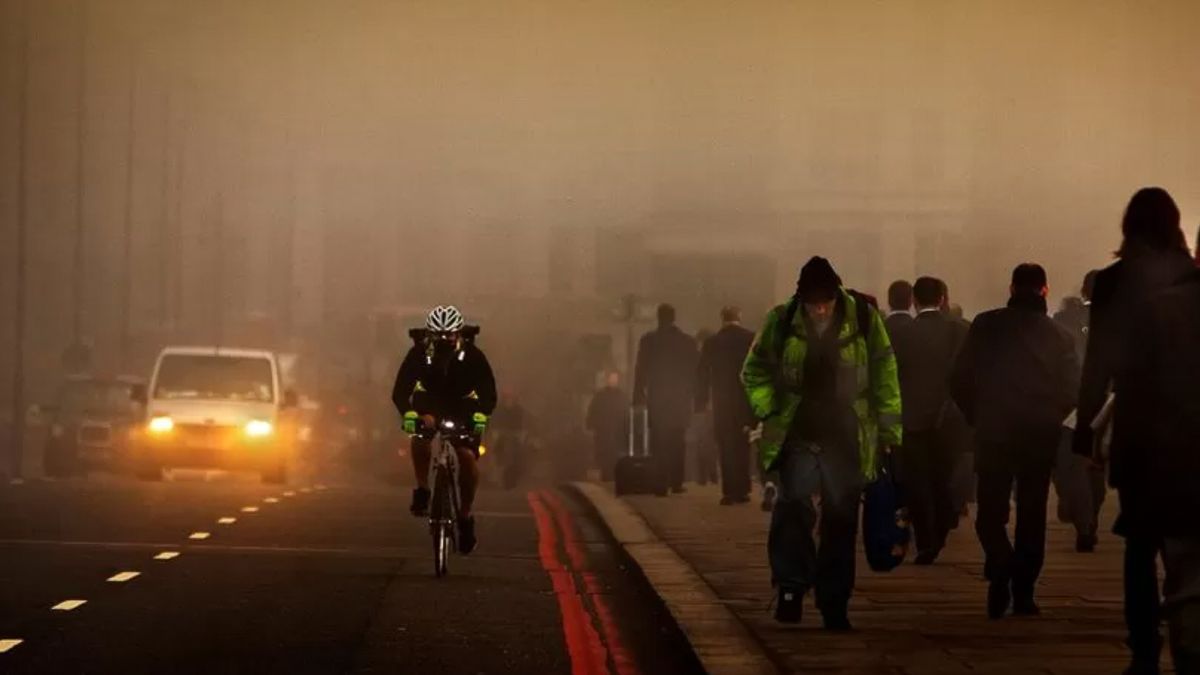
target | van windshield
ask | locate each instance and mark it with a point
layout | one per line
(225, 378)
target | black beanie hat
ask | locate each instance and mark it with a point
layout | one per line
(818, 281)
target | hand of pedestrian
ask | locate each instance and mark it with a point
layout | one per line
(428, 421)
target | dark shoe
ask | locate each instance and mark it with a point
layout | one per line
(769, 495)
(926, 557)
(741, 499)
(1023, 605)
(466, 535)
(727, 501)
(420, 503)
(998, 598)
(838, 623)
(789, 607)
(678, 490)
(1085, 543)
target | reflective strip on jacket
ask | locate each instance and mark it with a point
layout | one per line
(866, 371)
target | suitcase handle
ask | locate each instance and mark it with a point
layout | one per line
(633, 414)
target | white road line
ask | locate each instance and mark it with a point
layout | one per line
(289, 493)
(319, 487)
(122, 577)
(249, 509)
(227, 520)
(306, 490)
(271, 500)
(167, 555)
(199, 535)
(68, 605)
(8, 644)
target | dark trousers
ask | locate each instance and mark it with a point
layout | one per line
(1143, 604)
(667, 447)
(735, 459)
(1181, 558)
(927, 468)
(609, 446)
(796, 562)
(999, 467)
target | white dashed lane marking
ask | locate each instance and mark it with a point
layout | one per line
(8, 644)
(167, 555)
(199, 535)
(69, 605)
(306, 490)
(289, 493)
(271, 500)
(227, 520)
(249, 509)
(122, 577)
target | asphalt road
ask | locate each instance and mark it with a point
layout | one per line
(312, 579)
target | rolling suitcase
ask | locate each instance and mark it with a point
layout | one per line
(638, 473)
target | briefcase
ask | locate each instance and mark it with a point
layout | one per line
(886, 528)
(638, 473)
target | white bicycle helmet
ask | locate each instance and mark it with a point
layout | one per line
(444, 319)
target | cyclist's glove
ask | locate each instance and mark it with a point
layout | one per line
(481, 422)
(410, 422)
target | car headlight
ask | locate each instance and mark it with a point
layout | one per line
(161, 425)
(258, 428)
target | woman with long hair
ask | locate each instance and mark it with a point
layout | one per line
(1153, 255)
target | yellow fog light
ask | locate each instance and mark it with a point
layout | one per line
(161, 425)
(258, 428)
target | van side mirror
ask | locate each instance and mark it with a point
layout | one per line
(139, 395)
(290, 399)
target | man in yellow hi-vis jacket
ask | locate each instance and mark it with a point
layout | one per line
(822, 379)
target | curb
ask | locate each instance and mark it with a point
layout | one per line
(720, 640)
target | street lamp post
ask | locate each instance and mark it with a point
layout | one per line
(127, 232)
(17, 428)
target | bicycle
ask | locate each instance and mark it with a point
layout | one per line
(443, 499)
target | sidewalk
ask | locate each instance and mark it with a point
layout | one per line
(914, 620)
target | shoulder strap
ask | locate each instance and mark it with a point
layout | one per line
(784, 328)
(862, 313)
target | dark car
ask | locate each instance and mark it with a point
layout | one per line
(91, 425)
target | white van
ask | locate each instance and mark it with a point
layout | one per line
(217, 408)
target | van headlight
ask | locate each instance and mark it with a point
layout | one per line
(161, 424)
(258, 428)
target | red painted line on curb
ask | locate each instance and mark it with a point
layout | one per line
(624, 661)
(583, 644)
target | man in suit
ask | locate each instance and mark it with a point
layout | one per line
(664, 382)
(720, 378)
(1014, 380)
(928, 456)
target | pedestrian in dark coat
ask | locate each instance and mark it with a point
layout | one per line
(900, 301)
(1079, 481)
(720, 379)
(925, 357)
(665, 382)
(608, 420)
(1163, 369)
(1153, 256)
(1015, 382)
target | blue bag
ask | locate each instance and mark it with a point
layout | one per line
(886, 527)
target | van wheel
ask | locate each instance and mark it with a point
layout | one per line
(276, 476)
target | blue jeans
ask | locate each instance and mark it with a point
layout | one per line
(796, 563)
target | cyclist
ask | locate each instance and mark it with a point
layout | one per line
(446, 377)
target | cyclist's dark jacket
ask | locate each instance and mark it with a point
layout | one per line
(450, 387)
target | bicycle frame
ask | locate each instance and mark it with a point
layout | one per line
(444, 499)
